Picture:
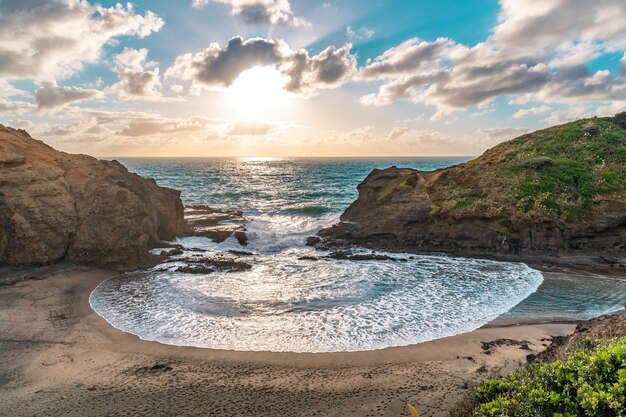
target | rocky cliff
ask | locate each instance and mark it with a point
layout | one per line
(556, 196)
(56, 206)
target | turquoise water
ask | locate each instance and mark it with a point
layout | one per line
(297, 187)
(285, 303)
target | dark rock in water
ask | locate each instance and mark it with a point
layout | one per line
(195, 269)
(534, 199)
(209, 265)
(216, 224)
(308, 258)
(56, 206)
(362, 256)
(313, 240)
(172, 252)
(241, 237)
(241, 253)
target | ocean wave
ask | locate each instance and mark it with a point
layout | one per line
(288, 305)
(308, 210)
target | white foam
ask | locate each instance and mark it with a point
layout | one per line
(286, 304)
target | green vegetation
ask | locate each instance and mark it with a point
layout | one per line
(562, 169)
(590, 382)
(467, 199)
(561, 174)
(401, 184)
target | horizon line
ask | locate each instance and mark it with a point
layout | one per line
(286, 157)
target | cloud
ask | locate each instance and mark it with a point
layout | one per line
(135, 81)
(411, 55)
(218, 67)
(249, 128)
(402, 87)
(499, 134)
(396, 132)
(158, 126)
(409, 141)
(260, 12)
(8, 90)
(363, 33)
(569, 115)
(533, 24)
(18, 107)
(49, 95)
(65, 34)
(532, 111)
(537, 51)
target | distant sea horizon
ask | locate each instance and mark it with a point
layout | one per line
(275, 157)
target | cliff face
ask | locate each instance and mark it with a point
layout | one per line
(56, 206)
(556, 196)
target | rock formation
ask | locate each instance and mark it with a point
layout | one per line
(556, 196)
(56, 206)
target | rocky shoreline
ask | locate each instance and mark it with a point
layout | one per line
(58, 207)
(504, 205)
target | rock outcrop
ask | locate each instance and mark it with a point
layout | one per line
(556, 196)
(216, 224)
(56, 206)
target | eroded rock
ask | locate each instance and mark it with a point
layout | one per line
(56, 206)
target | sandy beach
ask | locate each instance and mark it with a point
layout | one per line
(59, 358)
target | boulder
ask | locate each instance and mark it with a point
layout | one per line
(56, 206)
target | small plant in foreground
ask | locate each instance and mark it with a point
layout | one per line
(587, 383)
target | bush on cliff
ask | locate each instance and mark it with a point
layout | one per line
(589, 382)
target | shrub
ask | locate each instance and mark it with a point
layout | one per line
(539, 163)
(620, 119)
(590, 130)
(587, 383)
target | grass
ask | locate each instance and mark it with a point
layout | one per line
(552, 175)
(589, 382)
(466, 200)
(588, 158)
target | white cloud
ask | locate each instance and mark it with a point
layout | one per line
(218, 67)
(569, 115)
(65, 34)
(363, 33)
(147, 126)
(499, 134)
(16, 107)
(536, 52)
(540, 24)
(135, 80)
(249, 128)
(49, 95)
(531, 111)
(260, 12)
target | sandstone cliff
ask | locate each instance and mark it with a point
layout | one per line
(56, 206)
(556, 196)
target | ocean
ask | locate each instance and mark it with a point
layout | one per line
(286, 303)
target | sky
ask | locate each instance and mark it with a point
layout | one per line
(285, 78)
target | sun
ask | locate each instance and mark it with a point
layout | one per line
(258, 92)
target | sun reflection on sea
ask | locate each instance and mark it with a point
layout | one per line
(251, 159)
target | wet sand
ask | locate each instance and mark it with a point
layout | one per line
(59, 358)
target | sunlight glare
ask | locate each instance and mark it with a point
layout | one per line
(258, 92)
